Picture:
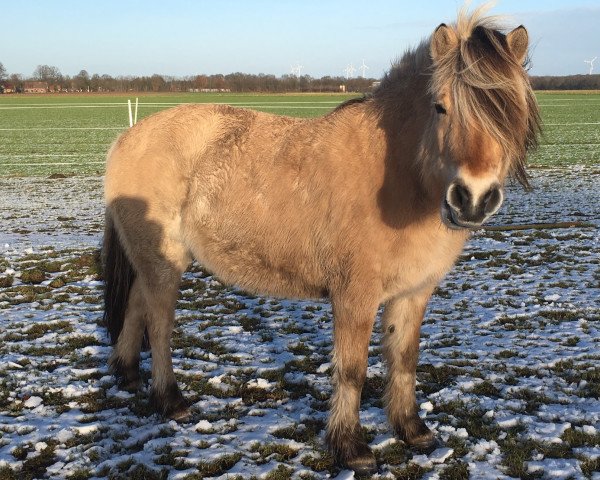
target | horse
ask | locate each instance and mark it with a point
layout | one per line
(368, 205)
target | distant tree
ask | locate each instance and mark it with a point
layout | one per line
(157, 82)
(47, 73)
(201, 81)
(3, 73)
(81, 81)
(218, 81)
(95, 82)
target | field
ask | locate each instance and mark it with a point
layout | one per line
(509, 372)
(41, 135)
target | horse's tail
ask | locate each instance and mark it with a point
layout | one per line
(118, 279)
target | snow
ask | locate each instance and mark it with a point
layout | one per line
(549, 432)
(203, 426)
(497, 350)
(33, 402)
(438, 456)
(552, 298)
(556, 468)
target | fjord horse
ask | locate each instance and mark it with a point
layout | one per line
(368, 205)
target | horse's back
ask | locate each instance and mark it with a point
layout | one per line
(159, 159)
(215, 181)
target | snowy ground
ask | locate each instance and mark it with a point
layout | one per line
(509, 373)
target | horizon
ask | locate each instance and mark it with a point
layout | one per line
(185, 38)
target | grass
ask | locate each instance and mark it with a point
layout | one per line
(59, 134)
(484, 354)
(70, 134)
(200, 338)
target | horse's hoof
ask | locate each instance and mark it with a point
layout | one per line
(127, 375)
(363, 463)
(171, 403)
(130, 385)
(361, 460)
(350, 451)
(424, 443)
(417, 435)
(181, 415)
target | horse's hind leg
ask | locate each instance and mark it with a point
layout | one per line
(149, 236)
(401, 331)
(353, 324)
(125, 360)
(161, 298)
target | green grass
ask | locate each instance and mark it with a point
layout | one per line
(70, 134)
(571, 132)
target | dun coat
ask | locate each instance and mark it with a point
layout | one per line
(368, 205)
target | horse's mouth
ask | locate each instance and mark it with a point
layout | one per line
(449, 219)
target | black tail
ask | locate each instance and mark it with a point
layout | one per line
(118, 279)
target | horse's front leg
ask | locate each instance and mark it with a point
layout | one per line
(353, 324)
(402, 320)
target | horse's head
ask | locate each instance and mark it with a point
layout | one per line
(483, 116)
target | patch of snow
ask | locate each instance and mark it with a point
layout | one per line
(555, 468)
(345, 475)
(203, 426)
(33, 402)
(261, 383)
(39, 446)
(324, 367)
(441, 455)
(64, 435)
(548, 432)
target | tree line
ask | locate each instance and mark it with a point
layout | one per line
(567, 82)
(237, 82)
(234, 82)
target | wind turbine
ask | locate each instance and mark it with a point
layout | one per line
(591, 62)
(363, 68)
(349, 70)
(296, 69)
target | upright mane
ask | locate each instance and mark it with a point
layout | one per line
(488, 85)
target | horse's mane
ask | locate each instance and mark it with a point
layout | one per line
(486, 82)
(351, 101)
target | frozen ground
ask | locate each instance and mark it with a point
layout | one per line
(509, 373)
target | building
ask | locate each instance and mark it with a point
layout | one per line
(7, 88)
(35, 87)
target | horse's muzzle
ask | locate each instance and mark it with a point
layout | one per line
(463, 209)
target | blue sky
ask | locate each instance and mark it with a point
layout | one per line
(185, 37)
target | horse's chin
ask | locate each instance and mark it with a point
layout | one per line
(450, 220)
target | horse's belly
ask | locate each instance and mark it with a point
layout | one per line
(261, 264)
(252, 274)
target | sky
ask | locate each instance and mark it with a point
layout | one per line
(186, 37)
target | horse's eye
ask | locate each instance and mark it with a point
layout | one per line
(439, 108)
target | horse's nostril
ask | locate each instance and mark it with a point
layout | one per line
(459, 197)
(492, 200)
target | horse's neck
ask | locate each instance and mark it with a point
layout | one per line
(404, 119)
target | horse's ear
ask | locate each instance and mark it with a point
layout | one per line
(518, 41)
(443, 40)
